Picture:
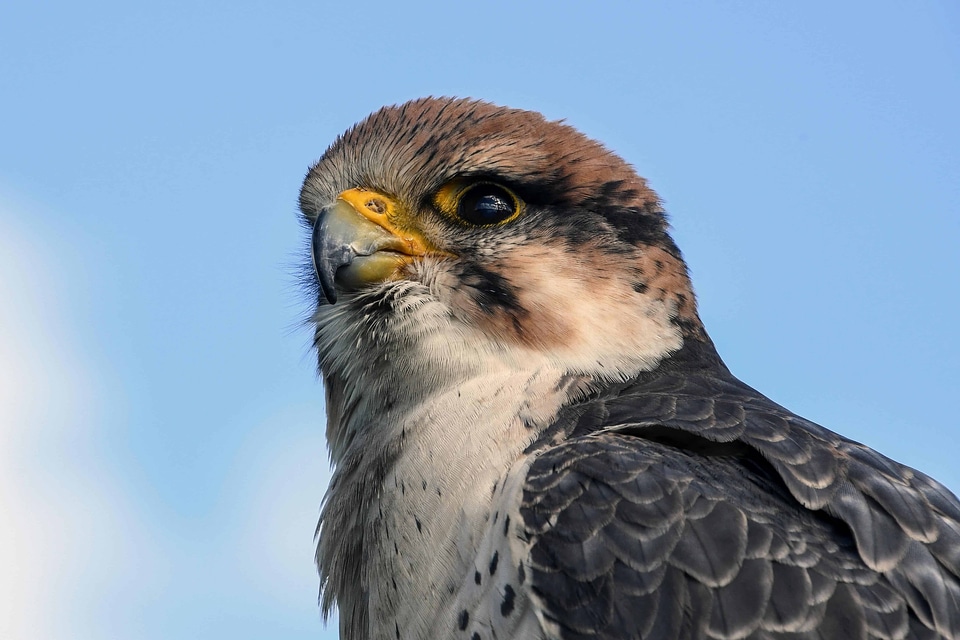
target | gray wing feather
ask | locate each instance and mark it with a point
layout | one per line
(692, 506)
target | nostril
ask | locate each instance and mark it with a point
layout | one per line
(376, 205)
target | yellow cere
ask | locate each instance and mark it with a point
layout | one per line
(387, 213)
(374, 206)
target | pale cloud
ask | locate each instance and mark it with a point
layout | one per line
(71, 539)
(279, 482)
(86, 551)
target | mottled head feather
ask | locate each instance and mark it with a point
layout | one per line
(586, 196)
(426, 142)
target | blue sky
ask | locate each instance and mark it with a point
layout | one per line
(161, 450)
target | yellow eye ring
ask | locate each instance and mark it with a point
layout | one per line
(479, 204)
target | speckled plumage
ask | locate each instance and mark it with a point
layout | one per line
(534, 437)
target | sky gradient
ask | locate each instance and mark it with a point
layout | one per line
(161, 426)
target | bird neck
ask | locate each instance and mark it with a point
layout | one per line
(416, 487)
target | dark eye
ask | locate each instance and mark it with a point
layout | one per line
(485, 204)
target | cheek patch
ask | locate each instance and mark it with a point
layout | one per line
(580, 308)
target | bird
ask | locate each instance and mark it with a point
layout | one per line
(532, 434)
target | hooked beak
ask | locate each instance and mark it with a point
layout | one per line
(358, 241)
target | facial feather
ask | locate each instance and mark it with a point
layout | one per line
(586, 278)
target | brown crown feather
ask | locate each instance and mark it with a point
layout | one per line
(410, 150)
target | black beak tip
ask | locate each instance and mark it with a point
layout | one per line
(328, 289)
(328, 256)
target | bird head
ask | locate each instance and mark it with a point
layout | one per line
(448, 232)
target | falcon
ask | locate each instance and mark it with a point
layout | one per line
(534, 437)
